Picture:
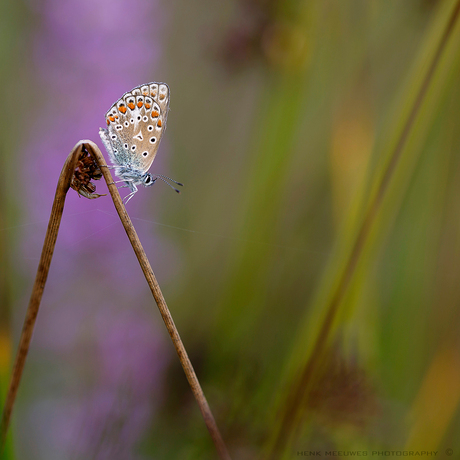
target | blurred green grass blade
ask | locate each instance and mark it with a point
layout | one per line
(276, 129)
(5, 370)
(14, 30)
(416, 109)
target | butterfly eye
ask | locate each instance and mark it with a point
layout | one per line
(153, 140)
(144, 154)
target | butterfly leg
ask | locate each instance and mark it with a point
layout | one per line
(133, 188)
(127, 184)
(108, 167)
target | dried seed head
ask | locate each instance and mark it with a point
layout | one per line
(85, 171)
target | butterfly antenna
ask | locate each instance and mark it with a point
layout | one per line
(166, 182)
(172, 180)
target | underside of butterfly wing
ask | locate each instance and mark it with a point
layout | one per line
(135, 126)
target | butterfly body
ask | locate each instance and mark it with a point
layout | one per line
(135, 126)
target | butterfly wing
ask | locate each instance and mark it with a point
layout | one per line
(135, 126)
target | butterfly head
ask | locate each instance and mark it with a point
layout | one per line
(148, 180)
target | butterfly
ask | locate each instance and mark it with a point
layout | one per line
(135, 125)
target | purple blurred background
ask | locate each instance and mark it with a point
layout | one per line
(86, 54)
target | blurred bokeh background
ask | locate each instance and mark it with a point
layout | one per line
(307, 333)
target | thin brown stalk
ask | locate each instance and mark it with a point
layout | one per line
(39, 285)
(42, 273)
(159, 299)
(297, 398)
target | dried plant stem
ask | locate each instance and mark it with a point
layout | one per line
(42, 273)
(39, 285)
(297, 398)
(158, 296)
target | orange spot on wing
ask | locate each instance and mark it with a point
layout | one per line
(155, 113)
(159, 123)
(162, 96)
(122, 109)
(140, 104)
(111, 118)
(147, 105)
(154, 93)
(108, 122)
(131, 105)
